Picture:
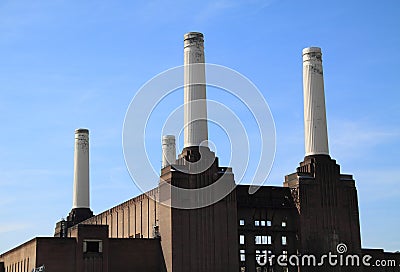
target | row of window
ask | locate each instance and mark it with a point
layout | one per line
(260, 254)
(262, 240)
(261, 223)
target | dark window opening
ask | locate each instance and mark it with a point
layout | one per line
(92, 247)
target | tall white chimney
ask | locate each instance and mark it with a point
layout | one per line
(195, 114)
(81, 170)
(168, 150)
(315, 129)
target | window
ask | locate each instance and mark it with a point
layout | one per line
(241, 222)
(92, 246)
(256, 223)
(266, 240)
(283, 224)
(242, 255)
(241, 239)
(284, 242)
(242, 269)
(262, 223)
(263, 240)
(269, 223)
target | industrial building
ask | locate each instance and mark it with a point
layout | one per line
(314, 213)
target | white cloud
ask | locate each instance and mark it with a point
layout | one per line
(13, 226)
(357, 138)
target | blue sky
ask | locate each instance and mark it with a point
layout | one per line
(70, 64)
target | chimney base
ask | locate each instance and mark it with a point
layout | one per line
(78, 215)
(195, 153)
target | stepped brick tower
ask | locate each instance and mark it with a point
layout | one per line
(326, 199)
(196, 236)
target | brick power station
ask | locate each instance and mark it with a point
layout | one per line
(314, 213)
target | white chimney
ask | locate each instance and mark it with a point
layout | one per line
(315, 129)
(81, 169)
(168, 150)
(195, 114)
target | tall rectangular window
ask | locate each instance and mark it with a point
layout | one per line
(256, 223)
(284, 242)
(258, 239)
(241, 222)
(264, 240)
(242, 255)
(241, 239)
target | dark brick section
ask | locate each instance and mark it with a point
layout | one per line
(56, 254)
(140, 255)
(328, 208)
(269, 212)
(91, 261)
(73, 254)
(202, 239)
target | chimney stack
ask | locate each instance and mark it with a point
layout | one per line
(315, 128)
(168, 150)
(80, 199)
(81, 169)
(195, 106)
